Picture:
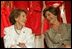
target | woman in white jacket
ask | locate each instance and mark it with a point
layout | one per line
(17, 35)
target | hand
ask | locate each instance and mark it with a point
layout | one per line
(67, 46)
(44, 5)
(55, 5)
(22, 45)
(12, 46)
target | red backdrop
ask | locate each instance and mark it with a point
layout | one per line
(34, 14)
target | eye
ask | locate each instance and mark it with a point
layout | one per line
(48, 14)
(23, 15)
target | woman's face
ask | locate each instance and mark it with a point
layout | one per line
(50, 17)
(21, 18)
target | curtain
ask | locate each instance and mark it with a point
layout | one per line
(34, 9)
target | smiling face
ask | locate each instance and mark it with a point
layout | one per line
(50, 17)
(21, 19)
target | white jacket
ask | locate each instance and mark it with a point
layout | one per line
(12, 38)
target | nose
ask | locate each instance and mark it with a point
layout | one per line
(25, 19)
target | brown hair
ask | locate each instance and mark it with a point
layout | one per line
(52, 10)
(14, 14)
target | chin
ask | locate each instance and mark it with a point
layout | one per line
(23, 24)
(52, 23)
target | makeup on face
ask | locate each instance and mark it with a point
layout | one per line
(50, 17)
(22, 18)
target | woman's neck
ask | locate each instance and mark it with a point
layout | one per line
(56, 25)
(18, 26)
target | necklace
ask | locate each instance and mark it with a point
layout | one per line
(17, 31)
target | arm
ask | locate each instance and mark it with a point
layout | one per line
(8, 40)
(67, 39)
(30, 40)
(63, 16)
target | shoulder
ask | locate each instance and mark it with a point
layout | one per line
(49, 31)
(66, 25)
(27, 30)
(7, 29)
